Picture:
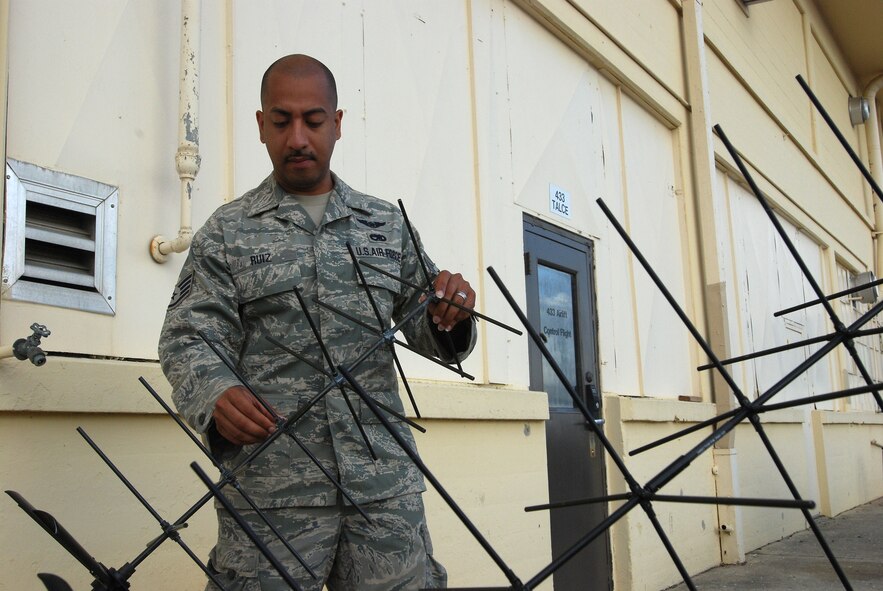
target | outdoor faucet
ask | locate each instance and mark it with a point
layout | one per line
(29, 348)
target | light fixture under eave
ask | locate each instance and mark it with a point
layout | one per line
(859, 110)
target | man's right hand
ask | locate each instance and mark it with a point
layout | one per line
(240, 419)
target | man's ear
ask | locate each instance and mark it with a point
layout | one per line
(259, 115)
(338, 117)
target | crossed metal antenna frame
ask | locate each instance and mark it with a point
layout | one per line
(643, 495)
(111, 579)
(847, 333)
(344, 377)
(749, 410)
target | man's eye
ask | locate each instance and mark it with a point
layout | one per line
(314, 124)
(280, 123)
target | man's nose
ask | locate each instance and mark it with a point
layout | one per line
(297, 137)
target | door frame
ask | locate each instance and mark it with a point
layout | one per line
(586, 352)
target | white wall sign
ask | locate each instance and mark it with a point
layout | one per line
(559, 201)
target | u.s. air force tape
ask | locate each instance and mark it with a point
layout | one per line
(374, 251)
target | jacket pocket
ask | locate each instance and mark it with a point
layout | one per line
(367, 416)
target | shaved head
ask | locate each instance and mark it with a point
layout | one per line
(299, 65)
(299, 123)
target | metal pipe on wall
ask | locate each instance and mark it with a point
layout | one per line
(187, 157)
(4, 81)
(872, 128)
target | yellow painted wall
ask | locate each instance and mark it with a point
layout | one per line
(95, 96)
(640, 559)
(760, 479)
(769, 118)
(491, 459)
(853, 465)
(52, 467)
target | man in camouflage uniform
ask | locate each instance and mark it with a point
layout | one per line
(237, 286)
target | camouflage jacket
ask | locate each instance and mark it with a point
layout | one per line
(237, 287)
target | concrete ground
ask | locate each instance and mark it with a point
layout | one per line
(797, 562)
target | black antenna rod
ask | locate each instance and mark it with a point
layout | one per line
(327, 354)
(835, 320)
(638, 491)
(382, 326)
(328, 374)
(425, 269)
(264, 549)
(760, 409)
(815, 101)
(739, 501)
(789, 346)
(229, 477)
(748, 410)
(833, 296)
(67, 541)
(282, 425)
(430, 293)
(170, 531)
(431, 478)
(387, 335)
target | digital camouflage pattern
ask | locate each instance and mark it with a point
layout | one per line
(237, 286)
(392, 552)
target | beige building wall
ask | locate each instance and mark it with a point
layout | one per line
(816, 190)
(97, 97)
(467, 111)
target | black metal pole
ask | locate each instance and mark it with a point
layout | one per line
(759, 409)
(328, 374)
(812, 97)
(748, 408)
(327, 355)
(429, 293)
(381, 323)
(423, 266)
(228, 477)
(427, 473)
(770, 351)
(225, 502)
(65, 539)
(638, 490)
(833, 296)
(388, 335)
(282, 425)
(835, 320)
(789, 346)
(169, 530)
(741, 501)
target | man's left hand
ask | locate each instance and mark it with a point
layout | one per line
(454, 288)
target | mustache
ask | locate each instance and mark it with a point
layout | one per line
(299, 154)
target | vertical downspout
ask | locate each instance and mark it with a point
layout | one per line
(726, 478)
(187, 157)
(876, 166)
(4, 103)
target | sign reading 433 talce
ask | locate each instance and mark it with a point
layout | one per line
(559, 201)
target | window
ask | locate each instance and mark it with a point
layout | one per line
(60, 239)
(870, 347)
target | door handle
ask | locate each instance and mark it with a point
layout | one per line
(599, 422)
(594, 399)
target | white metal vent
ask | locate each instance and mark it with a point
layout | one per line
(60, 239)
